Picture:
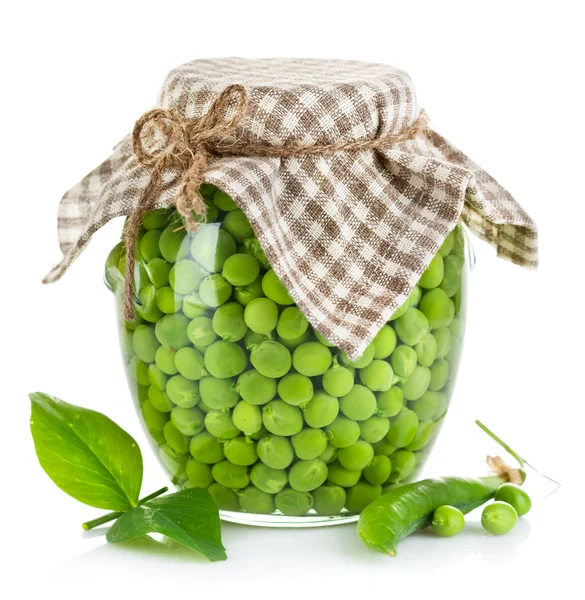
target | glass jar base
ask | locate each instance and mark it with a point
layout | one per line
(280, 520)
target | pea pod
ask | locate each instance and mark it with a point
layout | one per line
(410, 507)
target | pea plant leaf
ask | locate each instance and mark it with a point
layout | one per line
(86, 454)
(189, 517)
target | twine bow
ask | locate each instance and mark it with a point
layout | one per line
(190, 144)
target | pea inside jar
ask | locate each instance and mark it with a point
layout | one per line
(241, 396)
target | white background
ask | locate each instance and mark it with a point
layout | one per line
(501, 80)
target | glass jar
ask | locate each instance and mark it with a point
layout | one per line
(241, 396)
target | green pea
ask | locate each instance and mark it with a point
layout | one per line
(433, 275)
(189, 421)
(228, 322)
(182, 391)
(160, 399)
(343, 432)
(261, 315)
(171, 331)
(439, 374)
(167, 301)
(253, 247)
(214, 290)
(457, 327)
(201, 333)
(359, 404)
(256, 388)
(438, 308)
(321, 410)
(374, 429)
(247, 417)
(165, 360)
(328, 499)
(515, 496)
(275, 451)
(356, 457)
(384, 342)
(244, 294)
(149, 247)
(230, 475)
(156, 218)
(362, 361)
(361, 495)
(175, 439)
(156, 377)
(451, 283)
(138, 371)
(442, 405)
(426, 350)
(412, 326)
(307, 475)
(295, 389)
(237, 225)
(390, 402)
(193, 306)
(403, 361)
(198, 473)
(292, 323)
(383, 448)
(309, 443)
(338, 381)
(328, 455)
(154, 419)
(281, 418)
(145, 343)
(185, 276)
(403, 429)
(499, 518)
(224, 498)
(206, 448)
(447, 521)
(241, 451)
(217, 393)
(171, 243)
(377, 376)
(211, 246)
(253, 339)
(267, 479)
(339, 475)
(403, 465)
(298, 341)
(423, 436)
(426, 406)
(190, 363)
(158, 271)
(271, 359)
(221, 425)
(240, 269)
(146, 306)
(256, 501)
(447, 245)
(225, 359)
(293, 503)
(443, 339)
(173, 462)
(417, 384)
(378, 470)
(224, 201)
(323, 340)
(274, 289)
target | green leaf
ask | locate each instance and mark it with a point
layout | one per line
(86, 454)
(189, 517)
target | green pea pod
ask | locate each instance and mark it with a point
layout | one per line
(410, 507)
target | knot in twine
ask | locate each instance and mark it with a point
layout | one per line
(190, 145)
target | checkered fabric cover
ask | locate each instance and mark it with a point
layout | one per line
(349, 234)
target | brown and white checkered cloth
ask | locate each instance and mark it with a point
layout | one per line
(348, 233)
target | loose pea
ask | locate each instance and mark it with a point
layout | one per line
(275, 451)
(356, 457)
(211, 246)
(321, 410)
(281, 418)
(228, 322)
(206, 448)
(167, 301)
(244, 294)
(328, 499)
(417, 384)
(171, 331)
(412, 326)
(230, 475)
(274, 289)
(185, 276)
(343, 432)
(362, 361)
(253, 500)
(261, 315)
(361, 495)
(438, 308)
(182, 391)
(447, 521)
(247, 417)
(240, 269)
(271, 359)
(175, 439)
(256, 388)
(403, 465)
(307, 475)
(295, 389)
(338, 381)
(426, 406)
(189, 421)
(241, 451)
(374, 429)
(198, 473)
(237, 225)
(309, 443)
(190, 363)
(225, 359)
(358, 404)
(439, 374)
(220, 425)
(215, 290)
(312, 359)
(426, 350)
(217, 393)
(499, 518)
(403, 429)
(293, 503)
(292, 323)
(171, 243)
(515, 496)
(224, 498)
(267, 479)
(378, 471)
(433, 276)
(377, 376)
(384, 342)
(341, 476)
(390, 402)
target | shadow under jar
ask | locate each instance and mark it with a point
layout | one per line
(241, 396)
